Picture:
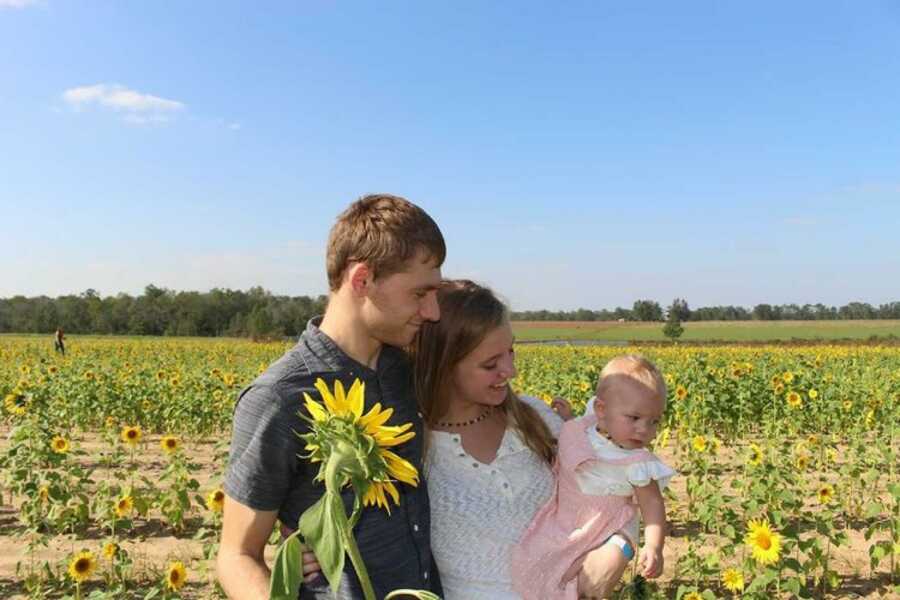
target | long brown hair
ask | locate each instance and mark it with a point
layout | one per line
(468, 313)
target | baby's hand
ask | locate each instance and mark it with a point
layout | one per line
(562, 407)
(651, 562)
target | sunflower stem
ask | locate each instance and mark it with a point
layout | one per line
(356, 558)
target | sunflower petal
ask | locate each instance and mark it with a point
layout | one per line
(316, 410)
(397, 440)
(400, 468)
(375, 418)
(356, 398)
(327, 397)
(340, 398)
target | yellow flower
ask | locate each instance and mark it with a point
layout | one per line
(52, 369)
(756, 455)
(60, 445)
(764, 543)
(131, 435)
(779, 388)
(110, 422)
(89, 375)
(787, 377)
(825, 493)
(794, 400)
(124, 506)
(692, 596)
(82, 566)
(681, 392)
(176, 575)
(801, 462)
(848, 404)
(215, 500)
(699, 443)
(109, 550)
(813, 394)
(733, 580)
(44, 493)
(383, 465)
(169, 444)
(17, 403)
(584, 386)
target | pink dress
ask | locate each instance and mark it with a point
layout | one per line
(570, 524)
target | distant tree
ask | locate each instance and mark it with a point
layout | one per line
(647, 310)
(680, 306)
(673, 328)
(763, 312)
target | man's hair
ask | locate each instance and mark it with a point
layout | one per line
(469, 312)
(384, 232)
(636, 367)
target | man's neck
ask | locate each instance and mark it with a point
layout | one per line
(345, 329)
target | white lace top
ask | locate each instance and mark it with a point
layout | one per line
(619, 480)
(479, 511)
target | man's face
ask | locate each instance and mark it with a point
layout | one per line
(398, 304)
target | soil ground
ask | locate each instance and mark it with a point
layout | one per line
(152, 544)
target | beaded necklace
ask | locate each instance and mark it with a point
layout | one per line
(487, 411)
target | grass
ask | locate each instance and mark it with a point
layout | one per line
(733, 331)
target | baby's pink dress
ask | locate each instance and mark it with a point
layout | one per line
(571, 523)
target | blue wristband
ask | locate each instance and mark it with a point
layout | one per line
(623, 544)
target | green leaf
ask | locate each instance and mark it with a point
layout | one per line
(287, 572)
(321, 526)
(793, 585)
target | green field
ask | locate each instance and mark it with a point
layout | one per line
(732, 331)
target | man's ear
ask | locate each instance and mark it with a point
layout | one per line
(360, 277)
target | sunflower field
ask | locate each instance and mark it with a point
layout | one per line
(112, 456)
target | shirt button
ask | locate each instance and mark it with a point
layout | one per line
(461, 454)
(415, 527)
(506, 485)
(425, 575)
(475, 464)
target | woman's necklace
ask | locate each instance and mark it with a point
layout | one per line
(447, 425)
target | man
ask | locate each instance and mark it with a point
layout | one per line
(383, 260)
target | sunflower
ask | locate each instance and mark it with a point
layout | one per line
(733, 580)
(813, 394)
(124, 506)
(699, 443)
(764, 543)
(169, 444)
(794, 400)
(110, 422)
(82, 566)
(52, 369)
(779, 388)
(89, 375)
(341, 421)
(692, 596)
(215, 500)
(110, 549)
(176, 575)
(756, 455)
(801, 462)
(681, 392)
(847, 404)
(44, 493)
(787, 377)
(131, 434)
(17, 403)
(60, 445)
(825, 493)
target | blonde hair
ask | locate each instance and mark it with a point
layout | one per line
(636, 367)
(384, 232)
(469, 312)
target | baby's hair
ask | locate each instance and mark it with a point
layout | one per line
(635, 367)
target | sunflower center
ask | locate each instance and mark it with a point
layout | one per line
(763, 541)
(82, 565)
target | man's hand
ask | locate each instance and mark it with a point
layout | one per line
(311, 568)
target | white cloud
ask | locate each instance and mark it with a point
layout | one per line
(17, 3)
(140, 108)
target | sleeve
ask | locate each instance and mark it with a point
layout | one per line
(550, 418)
(264, 447)
(641, 473)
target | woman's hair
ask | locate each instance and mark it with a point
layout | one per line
(469, 312)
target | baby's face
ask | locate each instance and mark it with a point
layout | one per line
(630, 412)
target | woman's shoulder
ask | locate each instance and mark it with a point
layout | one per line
(551, 419)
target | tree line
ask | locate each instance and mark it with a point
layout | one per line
(158, 311)
(650, 310)
(259, 313)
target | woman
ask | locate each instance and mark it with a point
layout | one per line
(489, 453)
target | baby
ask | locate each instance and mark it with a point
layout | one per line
(602, 467)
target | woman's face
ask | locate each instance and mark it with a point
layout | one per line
(482, 377)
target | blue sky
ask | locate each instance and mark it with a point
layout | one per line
(574, 154)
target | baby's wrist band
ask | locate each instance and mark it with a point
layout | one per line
(623, 544)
